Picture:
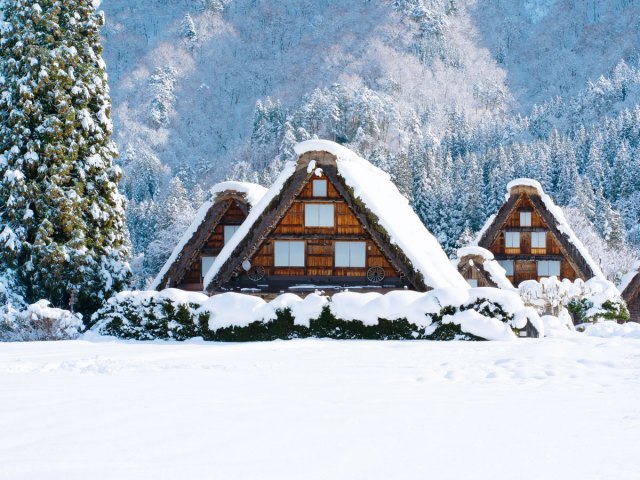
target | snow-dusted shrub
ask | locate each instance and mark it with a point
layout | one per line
(438, 315)
(590, 301)
(148, 316)
(38, 321)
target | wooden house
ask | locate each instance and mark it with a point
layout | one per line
(214, 225)
(480, 269)
(331, 220)
(630, 289)
(531, 239)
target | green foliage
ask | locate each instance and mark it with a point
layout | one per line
(61, 217)
(154, 318)
(615, 310)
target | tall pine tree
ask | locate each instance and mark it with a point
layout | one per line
(61, 218)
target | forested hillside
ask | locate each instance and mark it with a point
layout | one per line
(453, 97)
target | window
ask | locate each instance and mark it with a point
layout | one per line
(229, 230)
(548, 268)
(472, 282)
(350, 254)
(318, 215)
(525, 219)
(538, 242)
(319, 188)
(508, 267)
(206, 264)
(512, 242)
(288, 254)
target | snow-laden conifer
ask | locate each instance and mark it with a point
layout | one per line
(61, 217)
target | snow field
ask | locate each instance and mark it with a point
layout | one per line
(317, 409)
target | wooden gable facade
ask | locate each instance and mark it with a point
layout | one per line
(314, 233)
(631, 295)
(525, 239)
(186, 271)
(471, 267)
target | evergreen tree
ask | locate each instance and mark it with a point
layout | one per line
(61, 217)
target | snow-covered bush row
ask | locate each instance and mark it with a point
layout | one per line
(609, 329)
(38, 321)
(591, 301)
(443, 314)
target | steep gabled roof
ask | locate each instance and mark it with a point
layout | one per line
(630, 283)
(373, 198)
(486, 265)
(221, 196)
(572, 248)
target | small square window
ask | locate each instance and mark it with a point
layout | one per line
(508, 267)
(318, 215)
(525, 219)
(538, 239)
(229, 230)
(350, 254)
(288, 254)
(548, 268)
(512, 239)
(319, 188)
(206, 264)
(472, 282)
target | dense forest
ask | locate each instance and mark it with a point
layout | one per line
(450, 101)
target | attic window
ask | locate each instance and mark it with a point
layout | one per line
(318, 215)
(319, 188)
(229, 230)
(525, 218)
(206, 264)
(473, 282)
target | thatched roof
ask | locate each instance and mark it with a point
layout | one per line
(571, 247)
(369, 192)
(221, 197)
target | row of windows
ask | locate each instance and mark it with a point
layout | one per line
(346, 254)
(291, 254)
(538, 239)
(545, 268)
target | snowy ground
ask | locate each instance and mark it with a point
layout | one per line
(321, 409)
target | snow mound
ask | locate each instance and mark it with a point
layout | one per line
(611, 329)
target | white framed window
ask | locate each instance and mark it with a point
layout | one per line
(319, 188)
(512, 239)
(548, 268)
(350, 254)
(508, 266)
(206, 263)
(288, 254)
(229, 230)
(318, 215)
(525, 219)
(472, 282)
(538, 239)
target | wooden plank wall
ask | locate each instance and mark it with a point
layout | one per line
(525, 267)
(319, 251)
(192, 280)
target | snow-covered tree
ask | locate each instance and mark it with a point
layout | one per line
(61, 217)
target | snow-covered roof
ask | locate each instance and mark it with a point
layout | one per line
(628, 277)
(495, 271)
(556, 212)
(376, 191)
(252, 193)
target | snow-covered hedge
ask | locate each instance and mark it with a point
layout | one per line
(444, 314)
(38, 321)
